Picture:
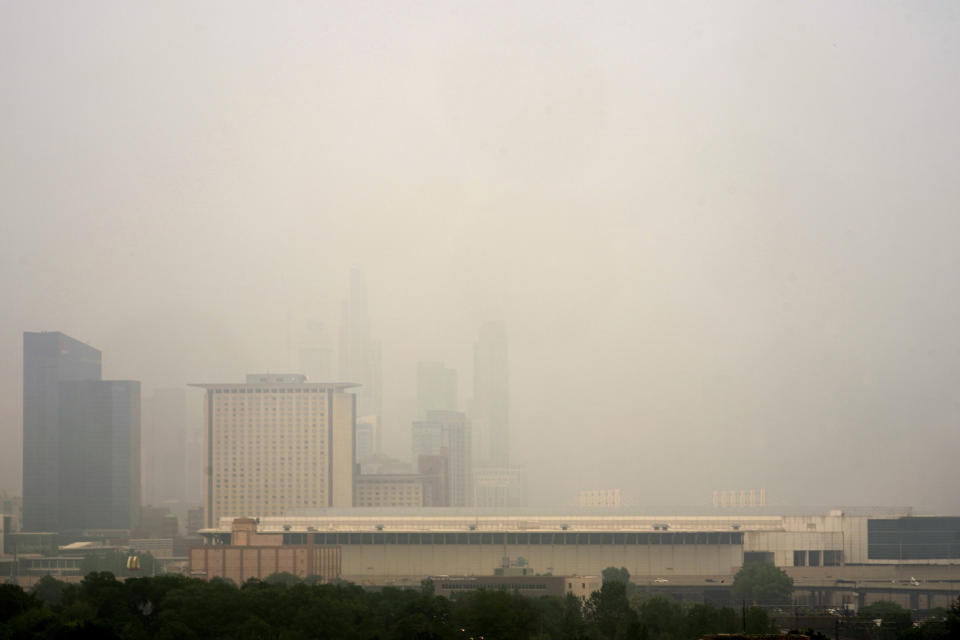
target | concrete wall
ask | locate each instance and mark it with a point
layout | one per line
(855, 540)
(784, 543)
(341, 446)
(362, 562)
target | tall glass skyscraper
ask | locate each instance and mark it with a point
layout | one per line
(81, 439)
(100, 455)
(49, 358)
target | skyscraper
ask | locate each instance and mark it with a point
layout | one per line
(81, 439)
(194, 464)
(499, 487)
(364, 441)
(359, 355)
(99, 455)
(436, 388)
(447, 433)
(491, 395)
(49, 358)
(316, 353)
(278, 442)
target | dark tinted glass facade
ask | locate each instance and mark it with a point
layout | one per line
(48, 359)
(757, 557)
(915, 538)
(100, 460)
(81, 439)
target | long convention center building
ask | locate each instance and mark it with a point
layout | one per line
(400, 547)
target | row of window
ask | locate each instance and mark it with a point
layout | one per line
(518, 538)
(270, 404)
(914, 538)
(253, 422)
(510, 586)
(812, 558)
(255, 390)
(249, 423)
(923, 551)
(240, 419)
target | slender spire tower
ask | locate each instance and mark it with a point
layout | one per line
(359, 355)
(491, 394)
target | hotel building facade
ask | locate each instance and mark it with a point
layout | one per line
(276, 443)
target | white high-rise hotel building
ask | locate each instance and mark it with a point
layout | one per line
(275, 443)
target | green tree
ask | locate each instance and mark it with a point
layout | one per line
(571, 625)
(400, 613)
(758, 621)
(36, 622)
(14, 601)
(49, 590)
(426, 587)
(612, 574)
(953, 620)
(494, 614)
(609, 613)
(894, 620)
(706, 619)
(284, 578)
(661, 617)
(762, 583)
(621, 575)
(889, 613)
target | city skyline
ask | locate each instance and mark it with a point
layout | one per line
(731, 226)
(171, 474)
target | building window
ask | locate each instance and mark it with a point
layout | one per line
(754, 557)
(799, 558)
(813, 558)
(914, 538)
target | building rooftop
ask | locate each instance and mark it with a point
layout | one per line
(446, 519)
(573, 523)
(283, 382)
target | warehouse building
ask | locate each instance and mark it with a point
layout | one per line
(404, 546)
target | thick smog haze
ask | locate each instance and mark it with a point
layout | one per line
(721, 237)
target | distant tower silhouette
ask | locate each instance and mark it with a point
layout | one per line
(491, 394)
(436, 388)
(360, 356)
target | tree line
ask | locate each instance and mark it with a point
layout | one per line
(285, 607)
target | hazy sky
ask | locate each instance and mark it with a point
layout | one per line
(724, 237)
